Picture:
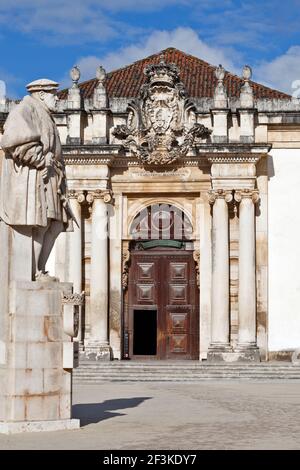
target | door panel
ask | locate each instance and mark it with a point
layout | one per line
(166, 281)
(180, 306)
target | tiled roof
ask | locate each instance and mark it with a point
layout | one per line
(196, 74)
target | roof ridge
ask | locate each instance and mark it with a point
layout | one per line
(144, 59)
(197, 75)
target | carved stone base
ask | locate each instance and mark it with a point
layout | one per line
(217, 352)
(38, 426)
(238, 355)
(96, 352)
(248, 352)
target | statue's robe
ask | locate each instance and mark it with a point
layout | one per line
(27, 197)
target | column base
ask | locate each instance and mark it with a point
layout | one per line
(97, 352)
(247, 352)
(242, 353)
(218, 352)
(38, 426)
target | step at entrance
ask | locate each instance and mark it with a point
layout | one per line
(185, 371)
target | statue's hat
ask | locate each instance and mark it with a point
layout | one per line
(42, 84)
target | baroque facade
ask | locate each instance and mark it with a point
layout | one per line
(184, 181)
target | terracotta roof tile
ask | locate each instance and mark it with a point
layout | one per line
(196, 74)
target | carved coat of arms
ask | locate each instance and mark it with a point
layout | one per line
(161, 125)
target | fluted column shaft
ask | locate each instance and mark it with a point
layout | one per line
(247, 278)
(99, 270)
(97, 345)
(220, 270)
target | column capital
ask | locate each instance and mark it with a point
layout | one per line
(75, 194)
(246, 194)
(214, 194)
(104, 194)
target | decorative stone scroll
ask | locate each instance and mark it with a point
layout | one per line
(78, 195)
(161, 125)
(252, 194)
(71, 303)
(73, 299)
(214, 194)
(104, 194)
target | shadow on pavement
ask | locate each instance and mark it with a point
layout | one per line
(94, 412)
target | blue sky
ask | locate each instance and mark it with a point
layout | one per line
(45, 38)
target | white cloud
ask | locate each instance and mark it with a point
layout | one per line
(76, 21)
(11, 82)
(185, 39)
(281, 72)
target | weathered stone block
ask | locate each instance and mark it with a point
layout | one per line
(64, 405)
(53, 329)
(66, 381)
(44, 355)
(45, 407)
(53, 380)
(68, 355)
(26, 381)
(17, 355)
(24, 326)
(34, 298)
(15, 408)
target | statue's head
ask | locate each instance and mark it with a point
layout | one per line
(44, 90)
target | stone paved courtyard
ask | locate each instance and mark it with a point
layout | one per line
(207, 415)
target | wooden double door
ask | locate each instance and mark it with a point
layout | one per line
(163, 305)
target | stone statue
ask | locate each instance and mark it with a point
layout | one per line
(33, 188)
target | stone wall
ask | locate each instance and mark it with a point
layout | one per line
(284, 249)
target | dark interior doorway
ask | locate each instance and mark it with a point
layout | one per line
(145, 332)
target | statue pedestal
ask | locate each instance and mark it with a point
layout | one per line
(36, 359)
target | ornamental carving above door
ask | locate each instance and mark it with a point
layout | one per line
(161, 125)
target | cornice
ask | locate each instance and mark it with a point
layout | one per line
(233, 147)
(90, 154)
(205, 154)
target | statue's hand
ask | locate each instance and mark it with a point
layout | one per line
(39, 161)
(45, 173)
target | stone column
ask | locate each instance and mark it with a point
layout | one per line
(220, 274)
(247, 282)
(98, 346)
(76, 198)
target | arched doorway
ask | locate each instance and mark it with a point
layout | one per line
(162, 315)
